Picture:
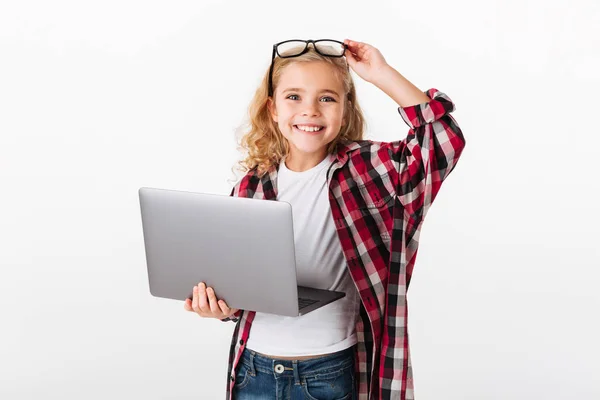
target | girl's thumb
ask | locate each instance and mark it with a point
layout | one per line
(349, 57)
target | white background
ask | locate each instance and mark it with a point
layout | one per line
(100, 98)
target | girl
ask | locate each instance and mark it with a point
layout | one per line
(358, 207)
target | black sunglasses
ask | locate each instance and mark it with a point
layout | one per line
(297, 47)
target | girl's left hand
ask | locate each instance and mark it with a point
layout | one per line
(364, 59)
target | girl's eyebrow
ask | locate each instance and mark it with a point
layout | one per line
(302, 90)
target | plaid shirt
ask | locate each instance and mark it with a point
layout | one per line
(379, 194)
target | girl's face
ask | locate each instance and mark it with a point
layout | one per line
(309, 96)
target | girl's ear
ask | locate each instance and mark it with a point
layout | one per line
(272, 109)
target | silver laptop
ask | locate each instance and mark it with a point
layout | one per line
(243, 248)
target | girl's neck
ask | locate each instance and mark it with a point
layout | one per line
(304, 162)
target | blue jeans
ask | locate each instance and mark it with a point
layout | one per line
(263, 378)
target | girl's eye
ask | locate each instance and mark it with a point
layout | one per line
(326, 97)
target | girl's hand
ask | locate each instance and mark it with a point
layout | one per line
(207, 306)
(364, 59)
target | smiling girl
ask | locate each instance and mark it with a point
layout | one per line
(358, 207)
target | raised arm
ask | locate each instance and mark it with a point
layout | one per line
(427, 155)
(434, 142)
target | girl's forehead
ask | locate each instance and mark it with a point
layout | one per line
(310, 75)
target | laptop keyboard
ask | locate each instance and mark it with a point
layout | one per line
(305, 302)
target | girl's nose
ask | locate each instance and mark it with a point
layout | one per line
(310, 109)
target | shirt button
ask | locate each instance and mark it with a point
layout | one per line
(232, 378)
(241, 341)
(279, 368)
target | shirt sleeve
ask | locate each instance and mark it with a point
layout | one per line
(428, 154)
(235, 317)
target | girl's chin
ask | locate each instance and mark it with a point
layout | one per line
(306, 148)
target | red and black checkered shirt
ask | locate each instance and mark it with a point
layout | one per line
(379, 194)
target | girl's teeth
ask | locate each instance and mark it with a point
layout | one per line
(309, 129)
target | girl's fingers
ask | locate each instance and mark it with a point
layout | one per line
(202, 300)
(350, 57)
(195, 300)
(187, 305)
(224, 308)
(214, 307)
(205, 303)
(355, 47)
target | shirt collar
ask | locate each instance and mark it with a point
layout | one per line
(343, 148)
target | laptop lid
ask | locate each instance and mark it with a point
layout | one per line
(242, 247)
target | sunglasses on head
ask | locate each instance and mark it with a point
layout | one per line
(297, 47)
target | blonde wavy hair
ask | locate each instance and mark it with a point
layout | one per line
(261, 139)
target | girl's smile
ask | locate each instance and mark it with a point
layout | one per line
(309, 129)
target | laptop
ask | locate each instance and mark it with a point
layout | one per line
(241, 247)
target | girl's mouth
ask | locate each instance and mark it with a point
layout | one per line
(309, 132)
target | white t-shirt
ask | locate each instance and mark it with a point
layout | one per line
(320, 263)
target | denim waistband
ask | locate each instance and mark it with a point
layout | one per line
(328, 364)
